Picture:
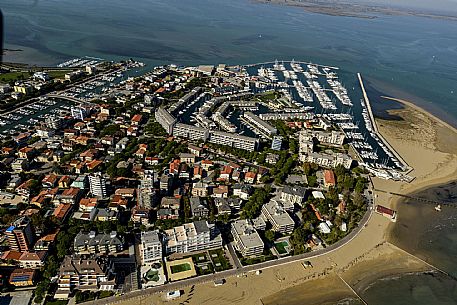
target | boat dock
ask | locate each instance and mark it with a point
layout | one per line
(375, 127)
(422, 200)
(289, 61)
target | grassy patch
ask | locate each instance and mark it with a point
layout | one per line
(14, 76)
(152, 275)
(58, 74)
(105, 294)
(281, 247)
(267, 96)
(255, 260)
(180, 268)
(203, 269)
(56, 302)
(220, 262)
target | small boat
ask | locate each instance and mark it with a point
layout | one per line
(438, 208)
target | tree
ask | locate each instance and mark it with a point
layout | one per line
(110, 130)
(270, 235)
(312, 181)
(348, 182)
(307, 169)
(360, 185)
(358, 200)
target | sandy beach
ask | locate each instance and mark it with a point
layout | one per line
(429, 146)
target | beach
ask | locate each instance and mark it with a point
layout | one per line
(428, 145)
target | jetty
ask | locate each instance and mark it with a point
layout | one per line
(375, 126)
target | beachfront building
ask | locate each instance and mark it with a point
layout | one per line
(328, 160)
(195, 236)
(247, 240)
(329, 138)
(151, 249)
(84, 274)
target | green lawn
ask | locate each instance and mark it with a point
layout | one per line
(105, 294)
(56, 302)
(220, 262)
(58, 74)
(13, 76)
(256, 260)
(152, 275)
(202, 271)
(180, 268)
(281, 247)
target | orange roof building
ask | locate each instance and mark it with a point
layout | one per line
(62, 211)
(329, 178)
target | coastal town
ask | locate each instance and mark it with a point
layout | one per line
(115, 178)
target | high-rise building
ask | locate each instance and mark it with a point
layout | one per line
(97, 185)
(151, 247)
(247, 240)
(165, 119)
(20, 235)
(276, 144)
(195, 236)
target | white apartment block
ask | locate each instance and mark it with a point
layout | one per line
(234, 140)
(332, 137)
(328, 160)
(280, 220)
(247, 240)
(195, 236)
(260, 124)
(165, 119)
(190, 132)
(151, 249)
(97, 185)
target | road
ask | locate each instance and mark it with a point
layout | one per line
(235, 258)
(239, 271)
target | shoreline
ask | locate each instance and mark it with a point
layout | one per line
(363, 260)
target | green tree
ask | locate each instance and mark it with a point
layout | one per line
(270, 235)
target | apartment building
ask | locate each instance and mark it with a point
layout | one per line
(195, 236)
(190, 132)
(151, 249)
(20, 235)
(278, 217)
(247, 240)
(233, 140)
(93, 243)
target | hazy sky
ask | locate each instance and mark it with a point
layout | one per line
(438, 5)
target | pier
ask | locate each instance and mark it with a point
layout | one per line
(422, 200)
(289, 61)
(375, 126)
